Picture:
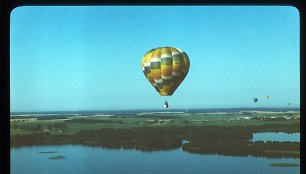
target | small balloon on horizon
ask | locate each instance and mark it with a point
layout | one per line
(255, 100)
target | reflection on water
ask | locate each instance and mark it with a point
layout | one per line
(84, 159)
(185, 141)
(279, 137)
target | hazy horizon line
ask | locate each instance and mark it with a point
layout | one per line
(105, 110)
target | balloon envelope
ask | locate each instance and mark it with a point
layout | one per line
(165, 68)
(255, 99)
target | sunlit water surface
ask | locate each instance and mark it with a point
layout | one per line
(279, 137)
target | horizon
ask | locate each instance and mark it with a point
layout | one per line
(165, 110)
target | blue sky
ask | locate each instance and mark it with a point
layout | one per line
(89, 58)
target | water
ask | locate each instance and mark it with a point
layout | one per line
(273, 136)
(83, 159)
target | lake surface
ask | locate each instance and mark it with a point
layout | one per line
(273, 136)
(80, 159)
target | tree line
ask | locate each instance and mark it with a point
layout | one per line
(233, 141)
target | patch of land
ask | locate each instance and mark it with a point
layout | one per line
(48, 152)
(67, 124)
(225, 133)
(57, 157)
(284, 165)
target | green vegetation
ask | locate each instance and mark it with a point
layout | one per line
(56, 157)
(223, 133)
(48, 152)
(284, 165)
(286, 122)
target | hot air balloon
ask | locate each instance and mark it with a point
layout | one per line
(165, 68)
(255, 99)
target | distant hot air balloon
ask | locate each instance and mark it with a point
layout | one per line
(255, 99)
(165, 68)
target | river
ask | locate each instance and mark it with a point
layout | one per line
(79, 159)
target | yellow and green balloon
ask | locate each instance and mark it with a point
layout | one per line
(165, 68)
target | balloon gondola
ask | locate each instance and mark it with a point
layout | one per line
(166, 104)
